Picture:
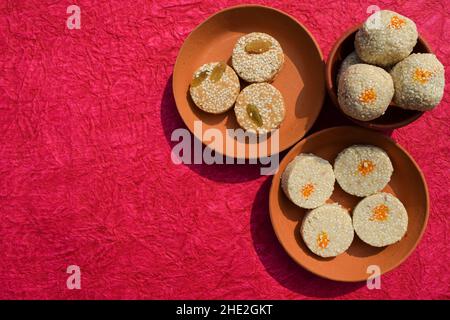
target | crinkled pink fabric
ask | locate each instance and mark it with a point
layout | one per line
(86, 176)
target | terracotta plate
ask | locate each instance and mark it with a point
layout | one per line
(407, 183)
(301, 81)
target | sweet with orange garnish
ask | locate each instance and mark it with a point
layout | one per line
(386, 38)
(308, 181)
(419, 82)
(380, 219)
(362, 170)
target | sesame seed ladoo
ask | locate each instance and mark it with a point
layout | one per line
(327, 230)
(386, 38)
(257, 57)
(308, 181)
(362, 170)
(365, 91)
(259, 108)
(419, 82)
(214, 87)
(380, 220)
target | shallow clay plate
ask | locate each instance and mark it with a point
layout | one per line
(301, 81)
(407, 183)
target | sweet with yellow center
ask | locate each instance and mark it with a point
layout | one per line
(365, 167)
(322, 240)
(422, 76)
(307, 190)
(380, 213)
(397, 22)
(368, 96)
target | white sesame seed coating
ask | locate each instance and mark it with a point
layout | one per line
(380, 233)
(215, 97)
(362, 170)
(260, 67)
(419, 82)
(332, 220)
(308, 181)
(269, 103)
(384, 43)
(350, 60)
(361, 78)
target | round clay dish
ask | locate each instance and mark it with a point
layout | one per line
(301, 81)
(407, 184)
(394, 116)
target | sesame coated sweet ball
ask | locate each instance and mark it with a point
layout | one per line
(362, 170)
(365, 91)
(259, 108)
(386, 38)
(327, 230)
(380, 220)
(350, 60)
(419, 82)
(214, 87)
(257, 57)
(308, 181)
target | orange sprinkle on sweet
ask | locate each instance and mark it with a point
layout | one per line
(365, 167)
(322, 240)
(307, 190)
(368, 96)
(422, 75)
(380, 213)
(397, 22)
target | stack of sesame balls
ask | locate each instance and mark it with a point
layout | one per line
(257, 59)
(382, 69)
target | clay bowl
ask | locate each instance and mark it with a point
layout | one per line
(301, 81)
(407, 184)
(394, 117)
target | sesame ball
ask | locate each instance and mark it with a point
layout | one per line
(362, 170)
(259, 108)
(308, 181)
(419, 82)
(365, 91)
(386, 38)
(327, 230)
(214, 87)
(380, 220)
(350, 60)
(257, 57)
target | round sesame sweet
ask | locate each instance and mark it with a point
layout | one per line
(327, 230)
(380, 220)
(362, 170)
(257, 57)
(386, 38)
(350, 60)
(259, 108)
(419, 82)
(365, 91)
(214, 87)
(308, 181)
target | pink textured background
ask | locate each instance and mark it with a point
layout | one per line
(86, 176)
